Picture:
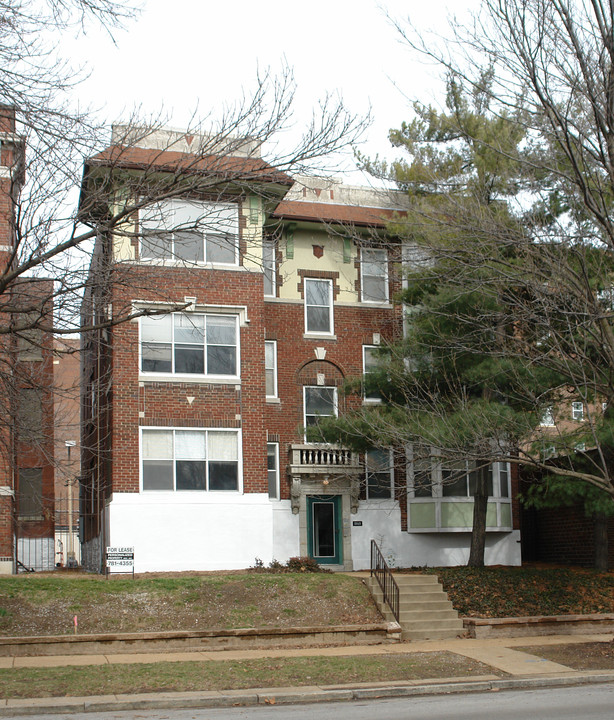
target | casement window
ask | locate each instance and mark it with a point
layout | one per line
(374, 275)
(318, 402)
(191, 232)
(369, 364)
(318, 306)
(270, 368)
(272, 455)
(189, 459)
(30, 495)
(268, 267)
(379, 472)
(190, 344)
(577, 411)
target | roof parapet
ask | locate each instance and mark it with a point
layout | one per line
(183, 141)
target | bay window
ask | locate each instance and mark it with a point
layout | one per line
(441, 494)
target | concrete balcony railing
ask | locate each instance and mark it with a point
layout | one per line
(310, 459)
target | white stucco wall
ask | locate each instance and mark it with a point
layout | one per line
(286, 540)
(381, 521)
(192, 531)
(207, 531)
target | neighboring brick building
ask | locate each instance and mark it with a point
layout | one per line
(26, 381)
(270, 294)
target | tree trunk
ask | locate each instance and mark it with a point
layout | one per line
(480, 506)
(601, 541)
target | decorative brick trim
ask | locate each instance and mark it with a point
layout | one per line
(318, 275)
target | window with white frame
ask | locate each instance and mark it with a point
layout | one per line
(441, 494)
(319, 402)
(577, 411)
(190, 344)
(460, 480)
(369, 364)
(190, 231)
(268, 266)
(272, 455)
(189, 459)
(379, 472)
(318, 306)
(270, 368)
(374, 275)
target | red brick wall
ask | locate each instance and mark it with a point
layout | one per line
(297, 365)
(561, 535)
(214, 405)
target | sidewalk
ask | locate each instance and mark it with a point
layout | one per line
(522, 671)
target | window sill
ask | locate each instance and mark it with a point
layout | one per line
(185, 264)
(319, 336)
(273, 400)
(502, 529)
(190, 379)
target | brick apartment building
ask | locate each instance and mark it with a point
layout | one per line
(269, 294)
(26, 380)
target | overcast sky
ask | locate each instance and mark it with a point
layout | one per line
(189, 56)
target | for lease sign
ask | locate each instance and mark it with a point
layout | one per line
(120, 557)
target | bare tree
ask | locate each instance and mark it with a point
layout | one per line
(46, 145)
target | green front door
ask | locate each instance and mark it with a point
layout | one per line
(324, 529)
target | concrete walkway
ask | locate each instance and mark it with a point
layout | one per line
(521, 669)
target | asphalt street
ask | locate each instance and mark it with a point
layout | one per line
(586, 702)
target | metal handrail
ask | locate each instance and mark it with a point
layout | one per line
(383, 575)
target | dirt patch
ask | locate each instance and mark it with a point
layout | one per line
(579, 656)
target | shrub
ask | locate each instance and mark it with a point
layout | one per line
(304, 564)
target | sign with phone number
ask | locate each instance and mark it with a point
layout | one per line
(120, 557)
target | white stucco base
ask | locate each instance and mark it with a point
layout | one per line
(381, 521)
(173, 531)
(196, 531)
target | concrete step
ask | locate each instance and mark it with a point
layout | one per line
(430, 634)
(416, 579)
(408, 616)
(440, 603)
(424, 609)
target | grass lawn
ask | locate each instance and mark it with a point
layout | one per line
(216, 675)
(46, 603)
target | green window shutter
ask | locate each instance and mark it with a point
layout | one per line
(290, 241)
(347, 250)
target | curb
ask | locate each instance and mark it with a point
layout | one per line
(288, 695)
